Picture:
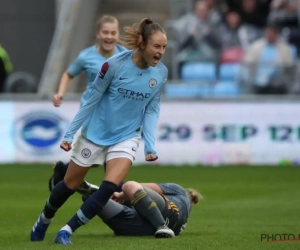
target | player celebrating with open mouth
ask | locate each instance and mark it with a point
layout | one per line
(124, 98)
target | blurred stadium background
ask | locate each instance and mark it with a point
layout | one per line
(232, 93)
(232, 99)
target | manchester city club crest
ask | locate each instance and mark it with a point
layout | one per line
(152, 83)
(86, 153)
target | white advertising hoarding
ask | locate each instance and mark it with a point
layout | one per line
(187, 133)
(7, 146)
(228, 133)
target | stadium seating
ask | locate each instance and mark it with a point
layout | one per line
(229, 71)
(224, 81)
(204, 71)
(226, 89)
(187, 91)
(222, 85)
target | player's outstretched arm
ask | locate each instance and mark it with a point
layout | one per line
(63, 86)
(95, 93)
(149, 127)
(74, 70)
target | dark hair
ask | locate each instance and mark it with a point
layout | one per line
(105, 19)
(232, 12)
(273, 27)
(140, 33)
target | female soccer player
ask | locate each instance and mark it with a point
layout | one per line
(124, 215)
(123, 98)
(174, 202)
(91, 59)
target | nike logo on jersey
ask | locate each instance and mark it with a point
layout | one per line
(134, 149)
(123, 78)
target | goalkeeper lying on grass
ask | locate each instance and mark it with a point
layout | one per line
(127, 213)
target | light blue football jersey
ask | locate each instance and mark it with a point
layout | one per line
(122, 99)
(90, 61)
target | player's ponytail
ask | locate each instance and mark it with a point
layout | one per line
(195, 197)
(139, 33)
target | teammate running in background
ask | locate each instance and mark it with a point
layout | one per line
(91, 59)
(122, 99)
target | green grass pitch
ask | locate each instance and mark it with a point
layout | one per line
(241, 203)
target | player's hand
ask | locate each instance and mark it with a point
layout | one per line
(65, 145)
(151, 157)
(118, 197)
(57, 100)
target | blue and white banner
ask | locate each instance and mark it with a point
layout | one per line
(187, 133)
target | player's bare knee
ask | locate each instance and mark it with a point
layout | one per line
(73, 183)
(75, 175)
(117, 169)
(130, 187)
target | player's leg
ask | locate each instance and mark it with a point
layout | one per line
(78, 167)
(125, 221)
(85, 188)
(59, 195)
(118, 163)
(110, 210)
(157, 198)
(116, 171)
(149, 207)
(59, 172)
(60, 169)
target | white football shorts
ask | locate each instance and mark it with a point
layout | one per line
(86, 154)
